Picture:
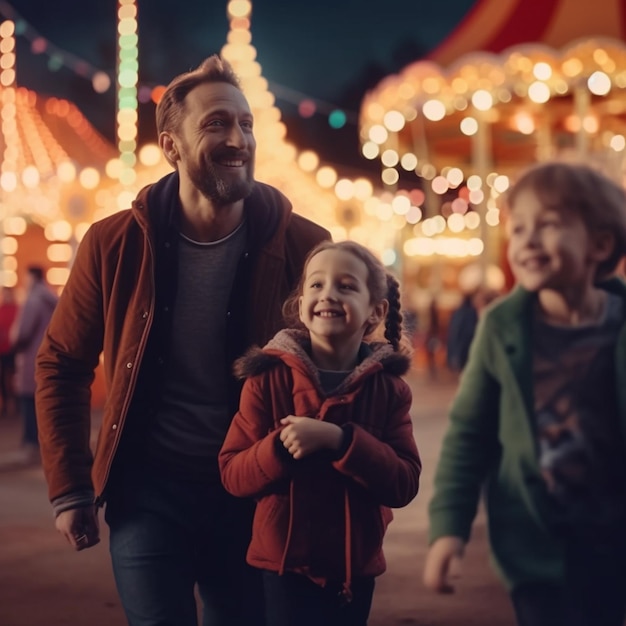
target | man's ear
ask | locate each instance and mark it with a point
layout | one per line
(167, 144)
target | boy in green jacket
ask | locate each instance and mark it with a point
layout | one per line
(539, 420)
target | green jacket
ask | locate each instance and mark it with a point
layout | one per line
(491, 444)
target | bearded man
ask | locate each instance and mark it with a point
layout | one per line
(170, 293)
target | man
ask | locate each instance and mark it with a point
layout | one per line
(171, 292)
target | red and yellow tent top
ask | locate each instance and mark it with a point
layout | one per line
(495, 25)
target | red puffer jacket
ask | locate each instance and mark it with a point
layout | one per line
(322, 516)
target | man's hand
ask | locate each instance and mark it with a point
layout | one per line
(79, 526)
(302, 436)
(443, 563)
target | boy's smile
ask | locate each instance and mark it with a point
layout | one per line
(549, 248)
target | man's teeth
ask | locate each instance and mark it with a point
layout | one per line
(232, 163)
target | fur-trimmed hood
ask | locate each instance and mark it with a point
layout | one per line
(292, 346)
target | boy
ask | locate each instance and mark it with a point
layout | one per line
(540, 415)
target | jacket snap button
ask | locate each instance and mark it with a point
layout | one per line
(114, 427)
(145, 314)
(129, 365)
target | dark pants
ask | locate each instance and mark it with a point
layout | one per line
(7, 372)
(594, 592)
(166, 537)
(295, 600)
(29, 419)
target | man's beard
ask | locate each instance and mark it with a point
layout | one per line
(219, 190)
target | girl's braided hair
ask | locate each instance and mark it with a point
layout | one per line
(381, 285)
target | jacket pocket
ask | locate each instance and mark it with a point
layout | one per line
(270, 528)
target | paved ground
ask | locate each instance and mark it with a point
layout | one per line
(44, 583)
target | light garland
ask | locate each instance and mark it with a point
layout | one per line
(102, 80)
(8, 112)
(57, 58)
(127, 79)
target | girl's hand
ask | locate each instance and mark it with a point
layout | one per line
(302, 436)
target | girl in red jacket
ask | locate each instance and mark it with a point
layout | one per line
(323, 440)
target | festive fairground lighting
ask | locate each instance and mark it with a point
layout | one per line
(349, 208)
(377, 217)
(8, 173)
(8, 176)
(450, 211)
(127, 79)
(467, 130)
(39, 182)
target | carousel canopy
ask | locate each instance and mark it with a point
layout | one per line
(519, 81)
(499, 94)
(494, 25)
(49, 149)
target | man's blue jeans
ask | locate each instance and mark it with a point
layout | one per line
(168, 535)
(29, 417)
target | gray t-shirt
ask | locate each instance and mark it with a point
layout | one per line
(581, 447)
(193, 417)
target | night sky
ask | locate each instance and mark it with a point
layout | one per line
(328, 50)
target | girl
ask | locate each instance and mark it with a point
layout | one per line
(323, 440)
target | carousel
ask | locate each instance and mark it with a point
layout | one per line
(50, 172)
(518, 82)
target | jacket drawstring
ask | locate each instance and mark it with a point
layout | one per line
(281, 570)
(346, 591)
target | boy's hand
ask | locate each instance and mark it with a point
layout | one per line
(443, 562)
(302, 436)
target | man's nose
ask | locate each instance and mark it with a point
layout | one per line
(236, 137)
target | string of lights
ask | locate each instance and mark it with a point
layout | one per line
(102, 80)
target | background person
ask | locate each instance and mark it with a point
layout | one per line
(26, 336)
(8, 314)
(460, 333)
(172, 291)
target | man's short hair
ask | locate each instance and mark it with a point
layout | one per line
(171, 107)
